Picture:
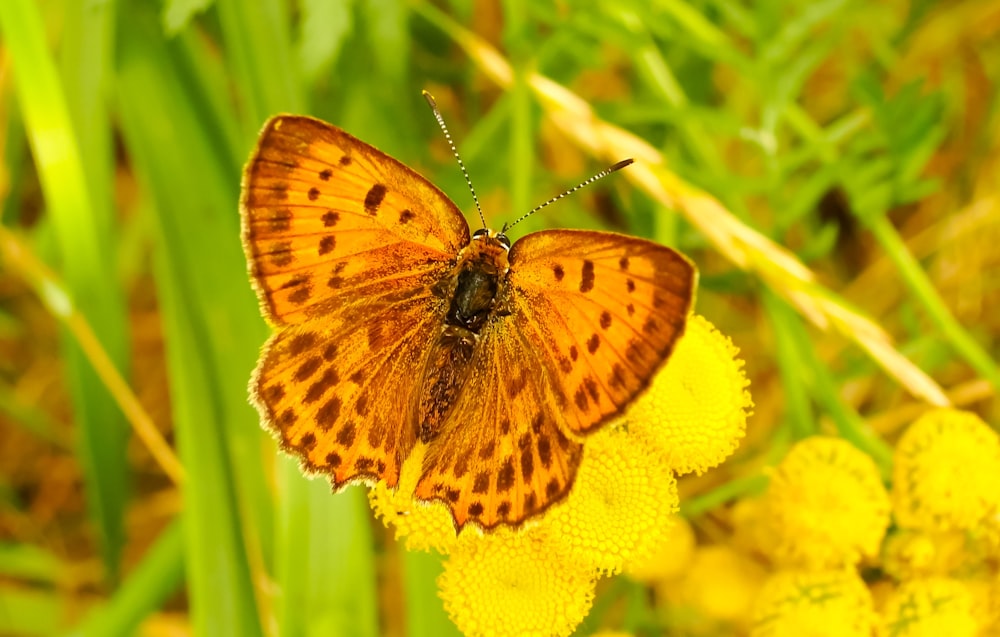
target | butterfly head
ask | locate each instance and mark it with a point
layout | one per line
(485, 234)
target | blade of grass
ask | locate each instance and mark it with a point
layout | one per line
(86, 261)
(151, 582)
(207, 309)
(425, 614)
(325, 562)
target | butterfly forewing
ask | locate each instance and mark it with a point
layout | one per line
(329, 221)
(602, 310)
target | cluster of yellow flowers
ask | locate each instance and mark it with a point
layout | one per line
(540, 579)
(827, 550)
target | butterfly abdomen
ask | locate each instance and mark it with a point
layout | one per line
(475, 288)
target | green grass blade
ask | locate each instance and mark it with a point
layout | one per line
(86, 263)
(209, 315)
(158, 576)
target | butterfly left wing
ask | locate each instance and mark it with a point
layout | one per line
(603, 311)
(501, 456)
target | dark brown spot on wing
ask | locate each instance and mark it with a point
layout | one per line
(616, 380)
(591, 386)
(487, 451)
(558, 271)
(321, 386)
(287, 418)
(476, 509)
(530, 502)
(333, 459)
(281, 254)
(328, 413)
(308, 368)
(346, 434)
(313, 193)
(573, 352)
(524, 442)
(303, 288)
(308, 441)
(630, 284)
(527, 464)
(406, 216)
(374, 198)
(330, 218)
(593, 343)
(545, 451)
(505, 479)
(587, 277)
(281, 221)
(300, 343)
(345, 160)
(330, 351)
(503, 509)
(375, 437)
(605, 320)
(630, 309)
(552, 488)
(580, 398)
(274, 393)
(357, 377)
(482, 483)
(361, 408)
(325, 174)
(623, 263)
(364, 464)
(326, 244)
(452, 495)
(461, 466)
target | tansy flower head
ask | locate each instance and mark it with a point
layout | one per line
(718, 590)
(947, 472)
(912, 554)
(696, 408)
(813, 604)
(929, 608)
(670, 558)
(827, 505)
(621, 503)
(515, 583)
(422, 525)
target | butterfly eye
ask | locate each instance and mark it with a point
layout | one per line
(482, 232)
(502, 238)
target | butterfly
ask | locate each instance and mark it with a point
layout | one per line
(395, 327)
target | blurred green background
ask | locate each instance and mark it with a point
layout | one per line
(861, 136)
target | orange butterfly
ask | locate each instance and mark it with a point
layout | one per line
(395, 327)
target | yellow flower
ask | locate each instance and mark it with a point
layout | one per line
(515, 583)
(422, 525)
(697, 406)
(929, 608)
(813, 604)
(947, 468)
(671, 557)
(827, 504)
(719, 587)
(913, 553)
(621, 503)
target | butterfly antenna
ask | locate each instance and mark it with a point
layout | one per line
(604, 173)
(461, 164)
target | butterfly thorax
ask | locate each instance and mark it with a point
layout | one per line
(472, 295)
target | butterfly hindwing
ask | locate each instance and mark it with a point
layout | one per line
(330, 222)
(337, 394)
(603, 311)
(501, 456)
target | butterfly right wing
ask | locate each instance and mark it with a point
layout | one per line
(340, 394)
